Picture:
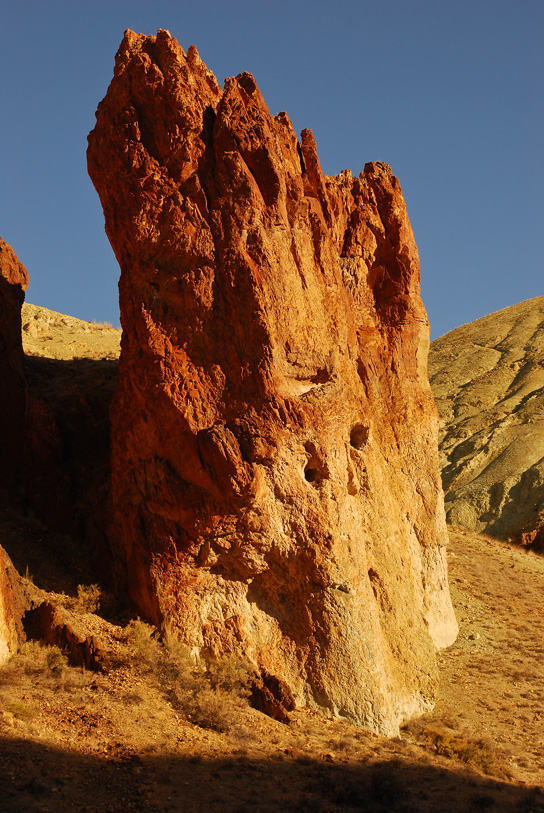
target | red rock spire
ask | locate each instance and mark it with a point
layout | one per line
(275, 474)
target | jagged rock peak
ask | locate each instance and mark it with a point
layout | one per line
(275, 483)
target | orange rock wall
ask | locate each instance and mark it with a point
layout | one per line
(12, 607)
(275, 484)
(13, 283)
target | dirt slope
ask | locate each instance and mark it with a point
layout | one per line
(131, 738)
(488, 382)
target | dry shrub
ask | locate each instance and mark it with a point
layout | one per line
(34, 664)
(210, 695)
(28, 577)
(55, 659)
(341, 744)
(479, 753)
(211, 698)
(212, 708)
(88, 599)
(33, 659)
(143, 642)
(19, 709)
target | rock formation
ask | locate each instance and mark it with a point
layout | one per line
(488, 381)
(11, 608)
(13, 283)
(71, 370)
(275, 483)
(532, 537)
(46, 621)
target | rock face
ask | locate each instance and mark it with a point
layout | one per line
(488, 381)
(70, 371)
(11, 608)
(13, 283)
(275, 481)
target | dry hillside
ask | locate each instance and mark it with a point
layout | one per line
(488, 382)
(52, 335)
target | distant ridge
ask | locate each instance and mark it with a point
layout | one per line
(54, 335)
(488, 382)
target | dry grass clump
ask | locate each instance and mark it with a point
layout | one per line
(34, 660)
(88, 599)
(444, 741)
(343, 744)
(19, 709)
(35, 665)
(95, 324)
(210, 695)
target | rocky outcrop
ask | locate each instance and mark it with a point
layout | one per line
(13, 283)
(56, 626)
(532, 537)
(70, 370)
(11, 608)
(67, 455)
(275, 484)
(488, 382)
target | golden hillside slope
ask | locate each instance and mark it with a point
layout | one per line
(53, 335)
(488, 382)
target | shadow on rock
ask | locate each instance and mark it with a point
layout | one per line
(62, 499)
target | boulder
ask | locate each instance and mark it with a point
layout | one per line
(275, 484)
(532, 538)
(13, 283)
(46, 621)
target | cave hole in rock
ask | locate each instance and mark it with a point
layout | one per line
(358, 437)
(315, 469)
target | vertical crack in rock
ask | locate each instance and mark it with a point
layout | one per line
(274, 435)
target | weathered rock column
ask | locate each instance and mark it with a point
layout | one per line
(13, 283)
(274, 475)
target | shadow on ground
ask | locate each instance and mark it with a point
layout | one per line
(36, 777)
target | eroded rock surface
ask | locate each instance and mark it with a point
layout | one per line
(11, 608)
(13, 283)
(275, 480)
(488, 382)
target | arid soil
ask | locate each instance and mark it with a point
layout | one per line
(130, 738)
(142, 735)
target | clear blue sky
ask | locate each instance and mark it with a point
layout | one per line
(448, 92)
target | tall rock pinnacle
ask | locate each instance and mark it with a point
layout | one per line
(275, 483)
